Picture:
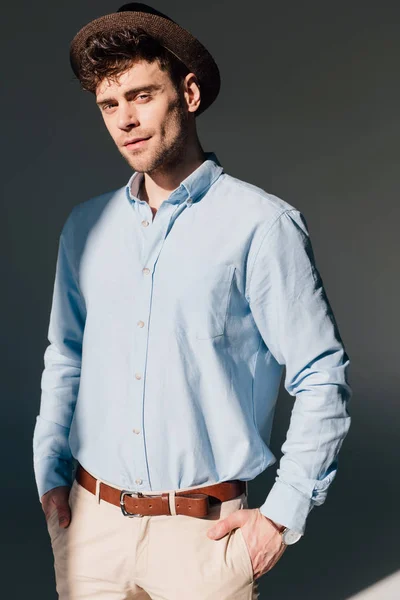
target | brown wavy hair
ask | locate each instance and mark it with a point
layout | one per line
(109, 54)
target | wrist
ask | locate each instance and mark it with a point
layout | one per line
(289, 536)
(278, 526)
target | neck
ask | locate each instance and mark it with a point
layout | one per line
(157, 186)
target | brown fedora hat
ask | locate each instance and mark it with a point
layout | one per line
(172, 36)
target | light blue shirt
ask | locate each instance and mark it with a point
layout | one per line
(168, 338)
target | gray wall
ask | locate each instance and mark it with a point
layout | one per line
(309, 110)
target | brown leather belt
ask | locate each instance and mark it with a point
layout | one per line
(194, 502)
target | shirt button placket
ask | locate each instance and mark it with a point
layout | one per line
(140, 471)
(153, 244)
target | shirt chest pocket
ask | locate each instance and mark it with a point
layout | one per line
(206, 301)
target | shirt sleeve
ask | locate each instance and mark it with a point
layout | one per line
(292, 312)
(53, 462)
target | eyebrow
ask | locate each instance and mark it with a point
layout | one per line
(132, 92)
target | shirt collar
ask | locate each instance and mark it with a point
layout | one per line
(193, 187)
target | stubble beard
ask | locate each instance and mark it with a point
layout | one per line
(167, 156)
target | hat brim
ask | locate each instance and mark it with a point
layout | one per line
(172, 36)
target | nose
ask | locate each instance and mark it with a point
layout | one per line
(127, 117)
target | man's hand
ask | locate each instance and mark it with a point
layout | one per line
(262, 536)
(56, 499)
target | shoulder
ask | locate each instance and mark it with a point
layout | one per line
(85, 214)
(256, 202)
(92, 207)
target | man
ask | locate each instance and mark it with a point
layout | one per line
(178, 300)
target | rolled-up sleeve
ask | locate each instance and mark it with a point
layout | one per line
(292, 312)
(52, 457)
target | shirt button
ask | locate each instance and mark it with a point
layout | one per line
(136, 431)
(189, 201)
(139, 481)
(145, 223)
(140, 324)
(138, 376)
(146, 271)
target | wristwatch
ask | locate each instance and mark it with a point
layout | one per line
(289, 536)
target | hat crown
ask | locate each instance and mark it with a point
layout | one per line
(177, 40)
(144, 8)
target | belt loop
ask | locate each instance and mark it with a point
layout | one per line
(247, 488)
(98, 483)
(171, 499)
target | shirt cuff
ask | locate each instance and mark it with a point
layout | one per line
(52, 472)
(287, 506)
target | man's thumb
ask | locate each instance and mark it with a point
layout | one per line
(64, 515)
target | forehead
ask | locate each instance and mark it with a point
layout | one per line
(140, 74)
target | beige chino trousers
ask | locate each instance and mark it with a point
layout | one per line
(104, 555)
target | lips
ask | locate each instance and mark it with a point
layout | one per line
(135, 141)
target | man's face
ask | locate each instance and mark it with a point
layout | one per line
(143, 103)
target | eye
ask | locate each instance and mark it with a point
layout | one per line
(145, 96)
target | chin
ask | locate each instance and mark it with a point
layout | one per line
(137, 163)
(143, 164)
(140, 166)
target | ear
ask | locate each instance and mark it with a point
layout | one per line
(191, 92)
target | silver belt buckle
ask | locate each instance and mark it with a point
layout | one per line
(122, 503)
